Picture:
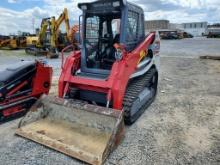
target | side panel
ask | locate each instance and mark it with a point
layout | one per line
(152, 60)
(155, 47)
(122, 70)
(42, 80)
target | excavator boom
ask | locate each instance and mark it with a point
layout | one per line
(42, 34)
(63, 17)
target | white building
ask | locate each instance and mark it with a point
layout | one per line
(197, 29)
(176, 26)
(153, 25)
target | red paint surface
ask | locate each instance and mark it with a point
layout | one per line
(115, 85)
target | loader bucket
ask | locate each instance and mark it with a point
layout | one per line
(86, 132)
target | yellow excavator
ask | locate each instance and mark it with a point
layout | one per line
(31, 40)
(43, 44)
(8, 44)
(13, 42)
(48, 40)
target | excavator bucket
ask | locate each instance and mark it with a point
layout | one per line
(78, 129)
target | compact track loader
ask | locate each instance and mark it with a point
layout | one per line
(112, 79)
(20, 86)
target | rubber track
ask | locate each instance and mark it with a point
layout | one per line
(134, 88)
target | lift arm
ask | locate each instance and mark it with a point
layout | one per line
(63, 17)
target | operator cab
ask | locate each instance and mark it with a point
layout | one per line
(104, 24)
(100, 38)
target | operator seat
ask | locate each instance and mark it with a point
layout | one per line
(109, 54)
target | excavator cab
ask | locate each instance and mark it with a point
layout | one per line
(104, 24)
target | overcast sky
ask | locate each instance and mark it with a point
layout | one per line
(22, 14)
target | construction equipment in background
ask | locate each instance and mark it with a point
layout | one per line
(13, 42)
(9, 43)
(3, 37)
(114, 75)
(20, 86)
(70, 38)
(43, 43)
(50, 39)
(31, 40)
(60, 39)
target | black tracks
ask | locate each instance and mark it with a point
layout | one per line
(136, 86)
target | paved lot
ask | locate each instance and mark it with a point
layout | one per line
(181, 127)
(190, 48)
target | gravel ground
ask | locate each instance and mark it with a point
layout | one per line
(181, 127)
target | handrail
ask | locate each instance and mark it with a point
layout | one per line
(62, 55)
